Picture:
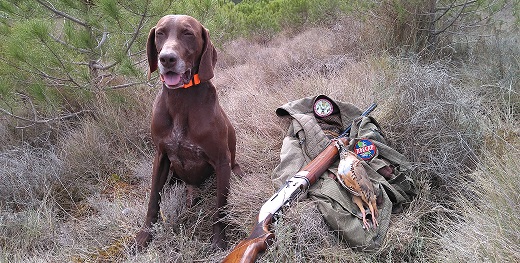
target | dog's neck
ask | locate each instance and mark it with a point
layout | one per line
(194, 81)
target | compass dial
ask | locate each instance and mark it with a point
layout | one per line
(323, 108)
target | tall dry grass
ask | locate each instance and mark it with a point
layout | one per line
(488, 226)
(83, 199)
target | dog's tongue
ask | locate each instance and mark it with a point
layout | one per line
(171, 79)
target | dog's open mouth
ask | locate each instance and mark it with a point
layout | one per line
(175, 80)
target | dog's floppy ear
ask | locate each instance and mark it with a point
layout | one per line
(208, 58)
(151, 52)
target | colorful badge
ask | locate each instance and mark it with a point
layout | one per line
(365, 149)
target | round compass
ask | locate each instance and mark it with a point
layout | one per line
(323, 108)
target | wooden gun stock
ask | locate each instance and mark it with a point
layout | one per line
(248, 249)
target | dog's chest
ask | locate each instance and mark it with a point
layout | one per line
(182, 149)
(187, 157)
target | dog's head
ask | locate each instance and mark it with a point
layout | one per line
(179, 46)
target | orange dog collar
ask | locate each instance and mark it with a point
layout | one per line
(194, 81)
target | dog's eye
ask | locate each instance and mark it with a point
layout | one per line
(188, 33)
(159, 33)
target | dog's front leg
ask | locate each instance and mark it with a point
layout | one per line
(161, 168)
(223, 173)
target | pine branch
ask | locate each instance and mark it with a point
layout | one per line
(124, 85)
(35, 120)
(446, 10)
(70, 78)
(454, 19)
(102, 41)
(49, 6)
(454, 5)
(138, 29)
(36, 71)
(81, 50)
(42, 121)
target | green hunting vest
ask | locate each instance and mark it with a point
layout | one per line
(305, 139)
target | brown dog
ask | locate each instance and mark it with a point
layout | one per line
(192, 135)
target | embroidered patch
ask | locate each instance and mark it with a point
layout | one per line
(323, 108)
(365, 149)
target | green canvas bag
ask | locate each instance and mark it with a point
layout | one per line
(305, 139)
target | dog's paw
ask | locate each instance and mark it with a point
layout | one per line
(237, 171)
(218, 240)
(142, 239)
(218, 243)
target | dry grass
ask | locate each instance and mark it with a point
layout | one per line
(83, 199)
(488, 228)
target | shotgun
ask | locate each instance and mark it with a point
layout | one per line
(260, 238)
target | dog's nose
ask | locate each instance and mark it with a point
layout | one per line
(168, 59)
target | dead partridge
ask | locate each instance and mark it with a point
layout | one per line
(353, 176)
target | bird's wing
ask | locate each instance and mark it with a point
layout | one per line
(365, 185)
